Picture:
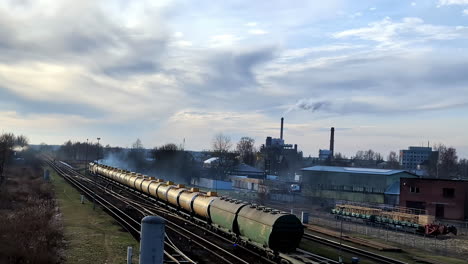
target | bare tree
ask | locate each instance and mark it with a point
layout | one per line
(137, 144)
(8, 142)
(21, 141)
(246, 150)
(221, 144)
(393, 161)
(444, 164)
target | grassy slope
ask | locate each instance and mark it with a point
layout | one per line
(92, 236)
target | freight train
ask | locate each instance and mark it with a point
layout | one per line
(404, 218)
(262, 227)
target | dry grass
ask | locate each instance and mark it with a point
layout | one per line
(92, 236)
(30, 228)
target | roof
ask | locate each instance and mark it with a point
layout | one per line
(353, 170)
(210, 160)
(246, 168)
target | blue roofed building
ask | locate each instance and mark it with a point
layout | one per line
(353, 184)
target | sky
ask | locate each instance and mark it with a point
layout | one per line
(386, 74)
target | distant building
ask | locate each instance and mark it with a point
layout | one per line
(281, 159)
(247, 171)
(411, 159)
(353, 184)
(325, 154)
(447, 199)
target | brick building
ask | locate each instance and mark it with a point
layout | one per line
(447, 199)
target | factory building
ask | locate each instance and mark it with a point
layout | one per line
(353, 184)
(412, 158)
(446, 199)
(281, 159)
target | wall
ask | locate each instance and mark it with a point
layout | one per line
(431, 194)
(343, 195)
(212, 184)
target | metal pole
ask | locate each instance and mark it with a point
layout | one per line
(152, 240)
(95, 184)
(129, 255)
(340, 259)
(86, 157)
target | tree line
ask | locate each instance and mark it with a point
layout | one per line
(8, 144)
(444, 165)
(172, 159)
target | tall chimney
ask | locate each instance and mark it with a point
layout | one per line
(281, 133)
(332, 141)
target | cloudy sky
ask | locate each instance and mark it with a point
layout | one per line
(386, 74)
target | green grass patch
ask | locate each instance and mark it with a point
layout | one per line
(92, 235)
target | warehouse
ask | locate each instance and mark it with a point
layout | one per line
(442, 198)
(353, 184)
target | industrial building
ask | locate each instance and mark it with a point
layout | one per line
(353, 184)
(281, 159)
(412, 158)
(447, 199)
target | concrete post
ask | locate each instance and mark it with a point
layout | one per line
(46, 175)
(304, 217)
(129, 255)
(152, 240)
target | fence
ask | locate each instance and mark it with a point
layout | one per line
(444, 245)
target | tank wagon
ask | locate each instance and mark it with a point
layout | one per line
(262, 227)
(406, 218)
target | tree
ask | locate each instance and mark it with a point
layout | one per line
(136, 155)
(137, 145)
(393, 161)
(8, 142)
(444, 163)
(368, 155)
(246, 150)
(221, 143)
(21, 141)
(463, 168)
(173, 161)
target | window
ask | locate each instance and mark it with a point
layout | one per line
(414, 189)
(448, 192)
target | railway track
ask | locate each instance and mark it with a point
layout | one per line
(176, 224)
(353, 250)
(191, 240)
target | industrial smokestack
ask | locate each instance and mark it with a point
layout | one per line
(281, 132)
(332, 141)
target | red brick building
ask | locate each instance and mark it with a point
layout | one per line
(446, 199)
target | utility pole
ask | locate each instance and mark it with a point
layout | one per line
(340, 259)
(86, 156)
(95, 185)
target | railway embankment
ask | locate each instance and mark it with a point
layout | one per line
(92, 236)
(30, 225)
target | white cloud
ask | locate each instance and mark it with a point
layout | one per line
(398, 34)
(251, 24)
(355, 15)
(453, 2)
(413, 3)
(178, 34)
(257, 32)
(465, 12)
(183, 43)
(223, 40)
(372, 8)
